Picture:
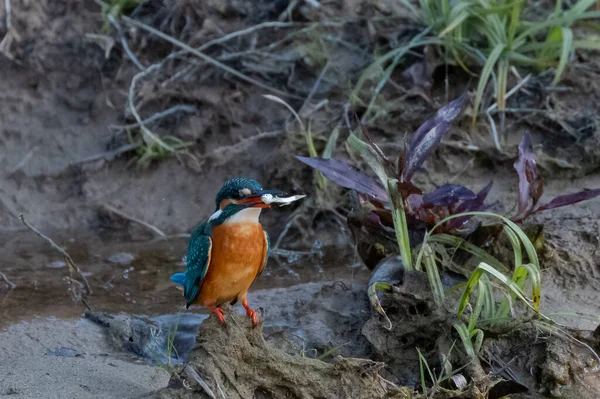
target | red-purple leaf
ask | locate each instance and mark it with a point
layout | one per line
(448, 194)
(376, 220)
(429, 135)
(347, 176)
(569, 199)
(531, 187)
(477, 203)
(407, 188)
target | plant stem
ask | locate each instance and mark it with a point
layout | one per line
(400, 225)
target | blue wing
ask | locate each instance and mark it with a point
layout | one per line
(198, 260)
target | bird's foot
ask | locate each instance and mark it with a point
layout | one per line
(219, 312)
(250, 313)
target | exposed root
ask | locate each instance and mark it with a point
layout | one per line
(194, 375)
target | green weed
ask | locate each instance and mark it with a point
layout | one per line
(116, 8)
(148, 151)
(487, 34)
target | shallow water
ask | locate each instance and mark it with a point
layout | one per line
(133, 276)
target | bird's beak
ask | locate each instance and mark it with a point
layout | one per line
(255, 198)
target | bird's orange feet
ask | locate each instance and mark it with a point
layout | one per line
(250, 313)
(219, 313)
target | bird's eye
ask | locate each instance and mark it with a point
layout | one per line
(244, 192)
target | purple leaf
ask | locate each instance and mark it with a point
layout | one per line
(429, 135)
(347, 176)
(448, 194)
(530, 183)
(476, 203)
(569, 199)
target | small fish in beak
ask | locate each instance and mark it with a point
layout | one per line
(266, 198)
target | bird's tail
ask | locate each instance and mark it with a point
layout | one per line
(178, 278)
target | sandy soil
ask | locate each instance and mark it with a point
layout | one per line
(70, 359)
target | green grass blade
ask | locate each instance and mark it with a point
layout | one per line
(422, 362)
(536, 284)
(381, 84)
(478, 334)
(515, 20)
(471, 283)
(502, 81)
(511, 285)
(579, 8)
(465, 337)
(416, 15)
(433, 275)
(565, 53)
(456, 22)
(577, 44)
(312, 151)
(400, 224)
(331, 351)
(377, 65)
(527, 244)
(310, 145)
(422, 366)
(481, 288)
(370, 156)
(516, 245)
(460, 243)
(331, 143)
(490, 302)
(485, 76)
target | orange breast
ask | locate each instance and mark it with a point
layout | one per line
(237, 255)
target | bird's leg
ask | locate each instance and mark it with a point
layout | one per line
(250, 312)
(219, 313)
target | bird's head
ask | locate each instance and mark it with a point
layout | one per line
(244, 193)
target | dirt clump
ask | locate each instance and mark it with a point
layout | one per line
(236, 361)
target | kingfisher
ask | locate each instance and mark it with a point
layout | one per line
(229, 250)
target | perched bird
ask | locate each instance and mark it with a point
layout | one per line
(229, 251)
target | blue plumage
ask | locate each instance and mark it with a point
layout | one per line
(198, 257)
(178, 278)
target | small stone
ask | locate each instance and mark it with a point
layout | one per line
(56, 264)
(122, 258)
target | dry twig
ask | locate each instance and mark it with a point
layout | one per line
(206, 58)
(155, 230)
(159, 115)
(73, 268)
(136, 115)
(132, 56)
(10, 284)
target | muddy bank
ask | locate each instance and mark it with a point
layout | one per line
(71, 155)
